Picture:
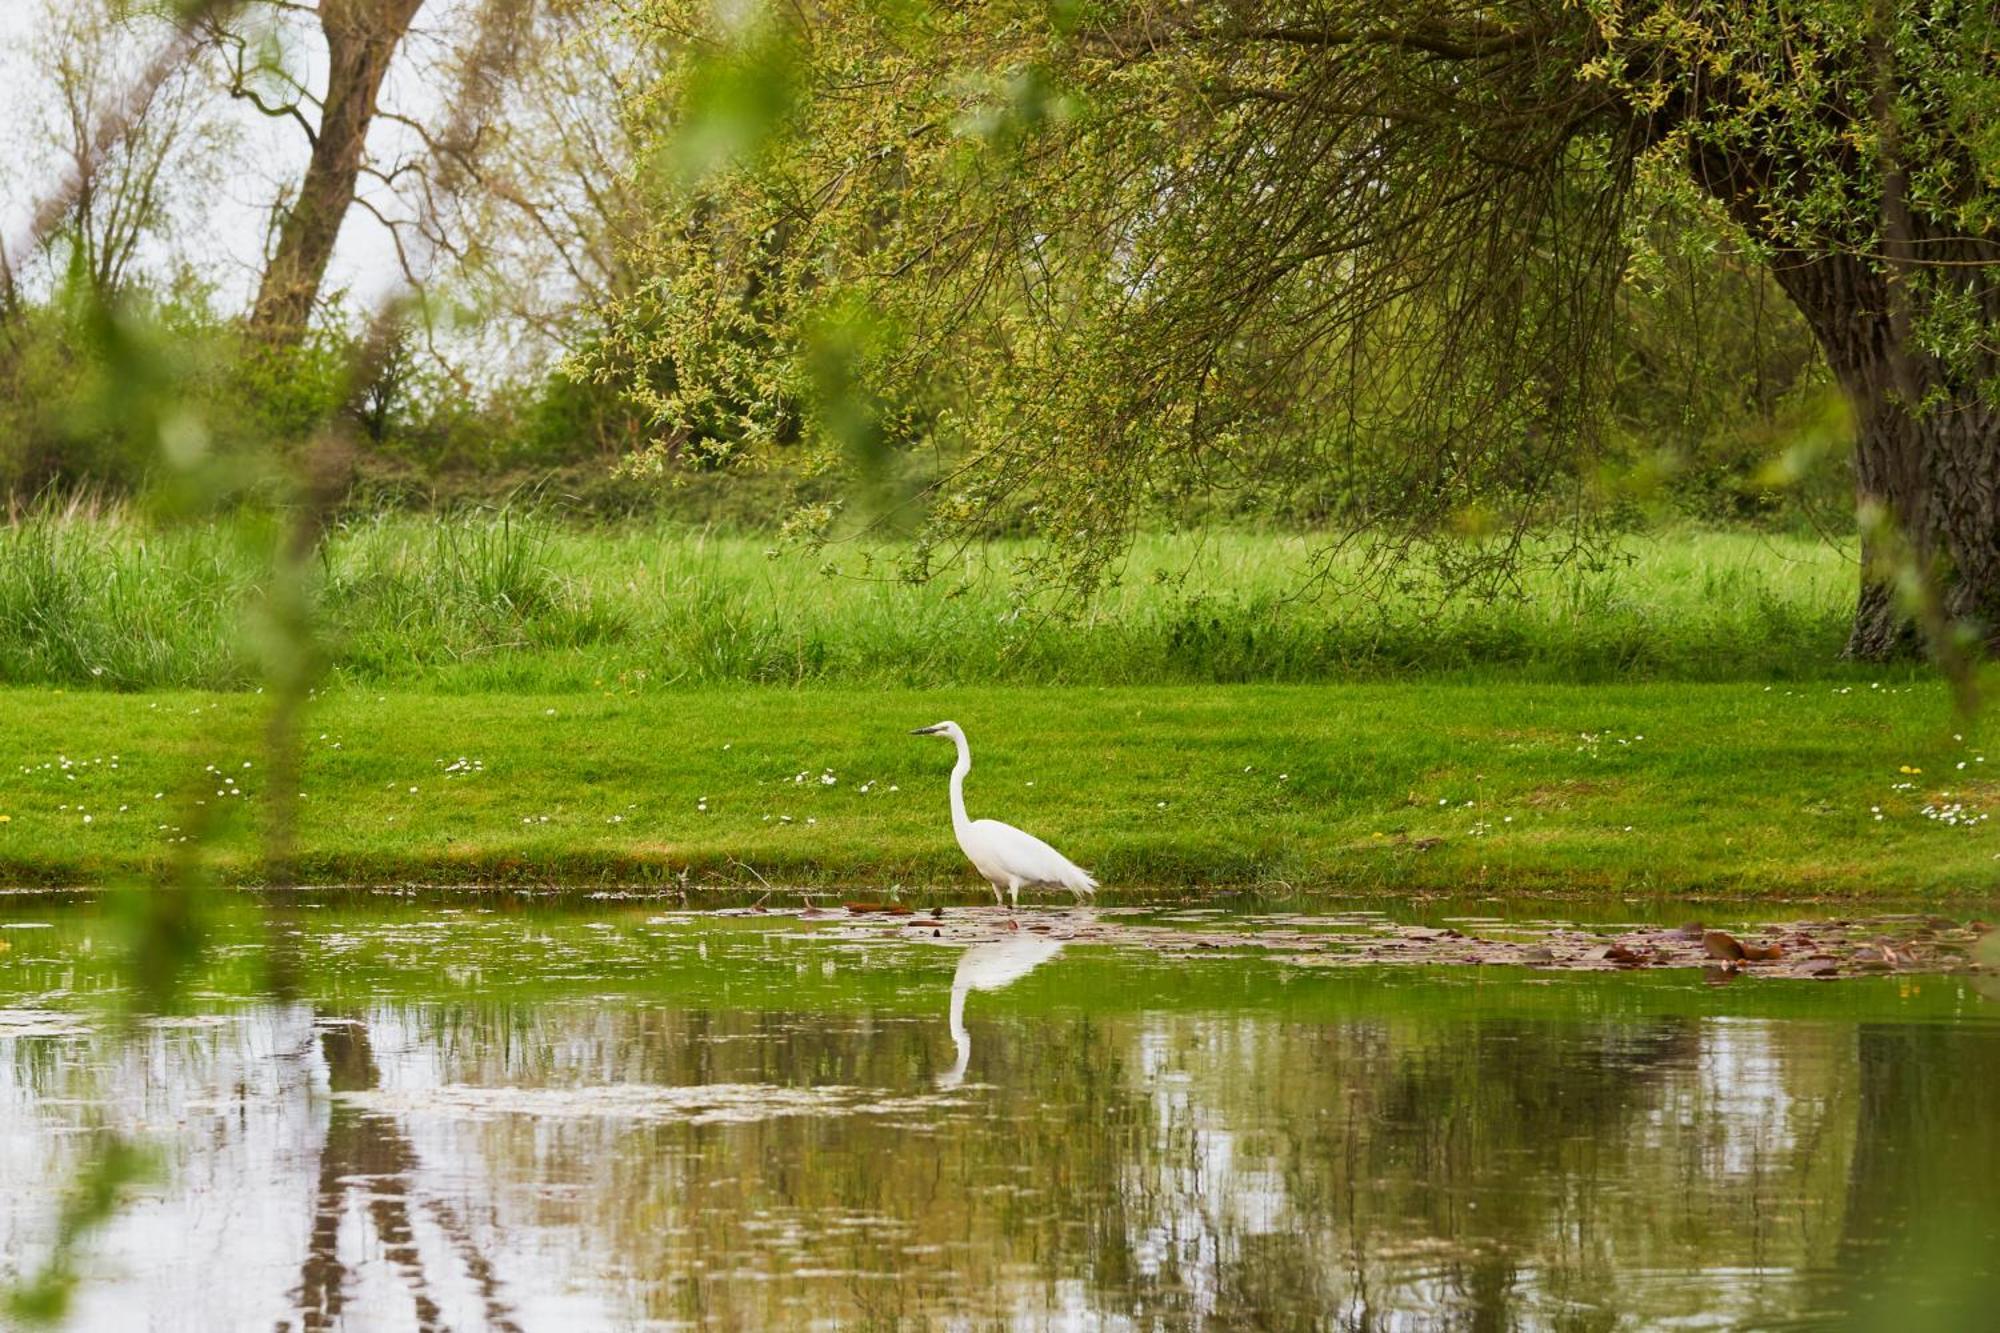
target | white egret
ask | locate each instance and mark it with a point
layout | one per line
(1005, 855)
(989, 967)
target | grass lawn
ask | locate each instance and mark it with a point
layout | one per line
(1753, 789)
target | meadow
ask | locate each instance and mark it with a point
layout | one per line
(511, 699)
(519, 601)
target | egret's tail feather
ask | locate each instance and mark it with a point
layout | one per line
(1078, 880)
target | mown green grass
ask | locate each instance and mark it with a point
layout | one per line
(1658, 789)
(512, 602)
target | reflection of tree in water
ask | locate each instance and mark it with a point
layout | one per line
(1170, 1167)
(1923, 1188)
(1178, 1169)
(368, 1156)
(1485, 1171)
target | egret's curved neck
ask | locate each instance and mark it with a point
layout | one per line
(959, 822)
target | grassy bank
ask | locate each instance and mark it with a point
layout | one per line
(510, 603)
(1656, 789)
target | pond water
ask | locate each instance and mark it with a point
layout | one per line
(523, 1115)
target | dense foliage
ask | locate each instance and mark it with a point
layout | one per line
(1094, 254)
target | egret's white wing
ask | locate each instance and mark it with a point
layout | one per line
(1014, 854)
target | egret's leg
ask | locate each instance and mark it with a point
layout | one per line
(1014, 893)
(998, 901)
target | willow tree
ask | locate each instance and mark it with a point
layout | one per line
(1110, 248)
(361, 37)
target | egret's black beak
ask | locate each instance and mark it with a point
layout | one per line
(925, 731)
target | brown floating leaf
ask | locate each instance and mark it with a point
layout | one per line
(1721, 944)
(891, 909)
(1623, 956)
(1821, 968)
(1762, 953)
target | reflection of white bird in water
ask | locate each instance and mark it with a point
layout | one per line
(1002, 853)
(989, 967)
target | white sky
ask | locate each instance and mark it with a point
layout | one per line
(226, 244)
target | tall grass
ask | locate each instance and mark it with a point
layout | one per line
(506, 600)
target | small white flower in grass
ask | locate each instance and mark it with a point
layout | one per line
(548, 712)
(811, 820)
(88, 819)
(893, 787)
(1507, 819)
(413, 791)
(1283, 776)
(784, 819)
(1160, 805)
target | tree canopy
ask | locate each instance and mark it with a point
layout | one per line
(1093, 253)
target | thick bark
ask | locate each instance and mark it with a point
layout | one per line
(361, 39)
(1933, 469)
(1927, 432)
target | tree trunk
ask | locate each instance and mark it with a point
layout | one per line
(361, 40)
(1932, 470)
